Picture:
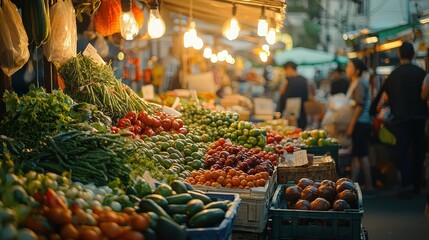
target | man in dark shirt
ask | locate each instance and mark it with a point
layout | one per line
(296, 87)
(339, 83)
(404, 88)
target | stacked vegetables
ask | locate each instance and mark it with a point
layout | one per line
(87, 81)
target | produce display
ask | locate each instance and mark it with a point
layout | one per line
(179, 204)
(280, 127)
(222, 124)
(322, 196)
(87, 81)
(141, 124)
(39, 114)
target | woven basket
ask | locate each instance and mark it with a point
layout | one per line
(316, 172)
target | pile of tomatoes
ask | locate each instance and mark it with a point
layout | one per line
(231, 178)
(142, 124)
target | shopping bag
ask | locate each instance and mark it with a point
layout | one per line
(62, 43)
(14, 51)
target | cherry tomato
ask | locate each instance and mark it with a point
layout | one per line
(183, 131)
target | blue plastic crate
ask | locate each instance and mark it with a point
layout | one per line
(224, 230)
(301, 224)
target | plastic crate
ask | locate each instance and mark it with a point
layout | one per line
(224, 230)
(320, 171)
(239, 235)
(300, 224)
(332, 151)
(252, 214)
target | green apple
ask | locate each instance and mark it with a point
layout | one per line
(311, 141)
(314, 133)
(322, 134)
(304, 135)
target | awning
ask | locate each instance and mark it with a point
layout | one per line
(305, 56)
(393, 32)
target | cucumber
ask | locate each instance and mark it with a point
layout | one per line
(158, 199)
(194, 206)
(149, 234)
(153, 219)
(167, 229)
(180, 218)
(176, 208)
(207, 218)
(179, 186)
(218, 204)
(148, 205)
(181, 198)
(202, 197)
(199, 191)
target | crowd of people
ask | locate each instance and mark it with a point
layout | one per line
(405, 91)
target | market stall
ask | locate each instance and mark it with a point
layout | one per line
(87, 157)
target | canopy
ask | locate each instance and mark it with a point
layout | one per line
(304, 56)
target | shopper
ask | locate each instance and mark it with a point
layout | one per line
(296, 86)
(404, 90)
(339, 84)
(359, 128)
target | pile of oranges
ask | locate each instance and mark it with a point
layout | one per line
(231, 178)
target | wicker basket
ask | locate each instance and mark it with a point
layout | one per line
(316, 172)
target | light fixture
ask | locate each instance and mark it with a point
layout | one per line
(156, 25)
(207, 52)
(231, 28)
(266, 48)
(352, 55)
(424, 20)
(263, 56)
(213, 58)
(262, 24)
(129, 27)
(370, 40)
(345, 36)
(121, 56)
(389, 45)
(220, 56)
(198, 43)
(229, 59)
(190, 35)
(271, 37)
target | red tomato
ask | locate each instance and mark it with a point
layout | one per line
(137, 122)
(148, 121)
(278, 138)
(114, 129)
(142, 115)
(177, 123)
(137, 129)
(131, 115)
(166, 124)
(156, 122)
(149, 132)
(124, 123)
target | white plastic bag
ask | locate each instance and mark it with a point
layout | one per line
(14, 51)
(62, 43)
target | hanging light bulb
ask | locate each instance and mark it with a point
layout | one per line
(231, 28)
(208, 52)
(190, 35)
(263, 56)
(262, 24)
(265, 47)
(229, 59)
(156, 25)
(213, 58)
(271, 36)
(129, 27)
(198, 43)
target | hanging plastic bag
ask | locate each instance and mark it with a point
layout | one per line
(14, 51)
(62, 43)
(101, 46)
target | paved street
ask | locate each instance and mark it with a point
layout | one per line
(387, 217)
